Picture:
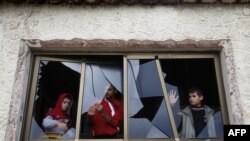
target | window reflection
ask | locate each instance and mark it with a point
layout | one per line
(55, 105)
(148, 116)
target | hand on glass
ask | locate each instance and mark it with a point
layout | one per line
(173, 97)
(91, 111)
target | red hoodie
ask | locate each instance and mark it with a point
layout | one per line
(57, 114)
(99, 124)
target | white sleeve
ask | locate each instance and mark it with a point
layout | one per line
(48, 122)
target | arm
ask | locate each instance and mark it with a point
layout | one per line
(90, 115)
(117, 118)
(99, 108)
(105, 116)
(48, 122)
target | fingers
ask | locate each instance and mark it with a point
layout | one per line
(96, 106)
(99, 107)
(172, 93)
(173, 97)
(177, 96)
(91, 110)
(62, 126)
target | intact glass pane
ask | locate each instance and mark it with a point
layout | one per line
(102, 108)
(193, 92)
(56, 97)
(147, 111)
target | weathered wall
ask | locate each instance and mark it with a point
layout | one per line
(195, 22)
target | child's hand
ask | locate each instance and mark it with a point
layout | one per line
(98, 107)
(62, 126)
(173, 97)
(91, 111)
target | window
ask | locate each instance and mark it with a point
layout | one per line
(132, 96)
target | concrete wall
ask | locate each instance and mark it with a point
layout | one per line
(195, 22)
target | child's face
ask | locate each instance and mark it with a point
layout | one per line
(110, 92)
(66, 104)
(195, 99)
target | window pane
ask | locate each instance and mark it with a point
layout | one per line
(56, 97)
(102, 109)
(147, 112)
(197, 113)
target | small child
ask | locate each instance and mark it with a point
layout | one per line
(58, 120)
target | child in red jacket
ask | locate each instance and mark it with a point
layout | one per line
(105, 118)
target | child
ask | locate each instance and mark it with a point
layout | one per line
(105, 118)
(58, 120)
(197, 119)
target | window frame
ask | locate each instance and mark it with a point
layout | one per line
(30, 104)
(126, 56)
(218, 72)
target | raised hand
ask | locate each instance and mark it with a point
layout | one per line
(173, 97)
(98, 107)
(91, 111)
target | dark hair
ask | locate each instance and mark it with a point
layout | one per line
(195, 89)
(69, 97)
(118, 95)
(113, 86)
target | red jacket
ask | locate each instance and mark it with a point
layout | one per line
(99, 124)
(57, 114)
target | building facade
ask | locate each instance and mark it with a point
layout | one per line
(141, 28)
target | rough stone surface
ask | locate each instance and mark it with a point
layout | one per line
(130, 2)
(160, 23)
(232, 93)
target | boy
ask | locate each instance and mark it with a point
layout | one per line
(197, 118)
(58, 120)
(105, 118)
